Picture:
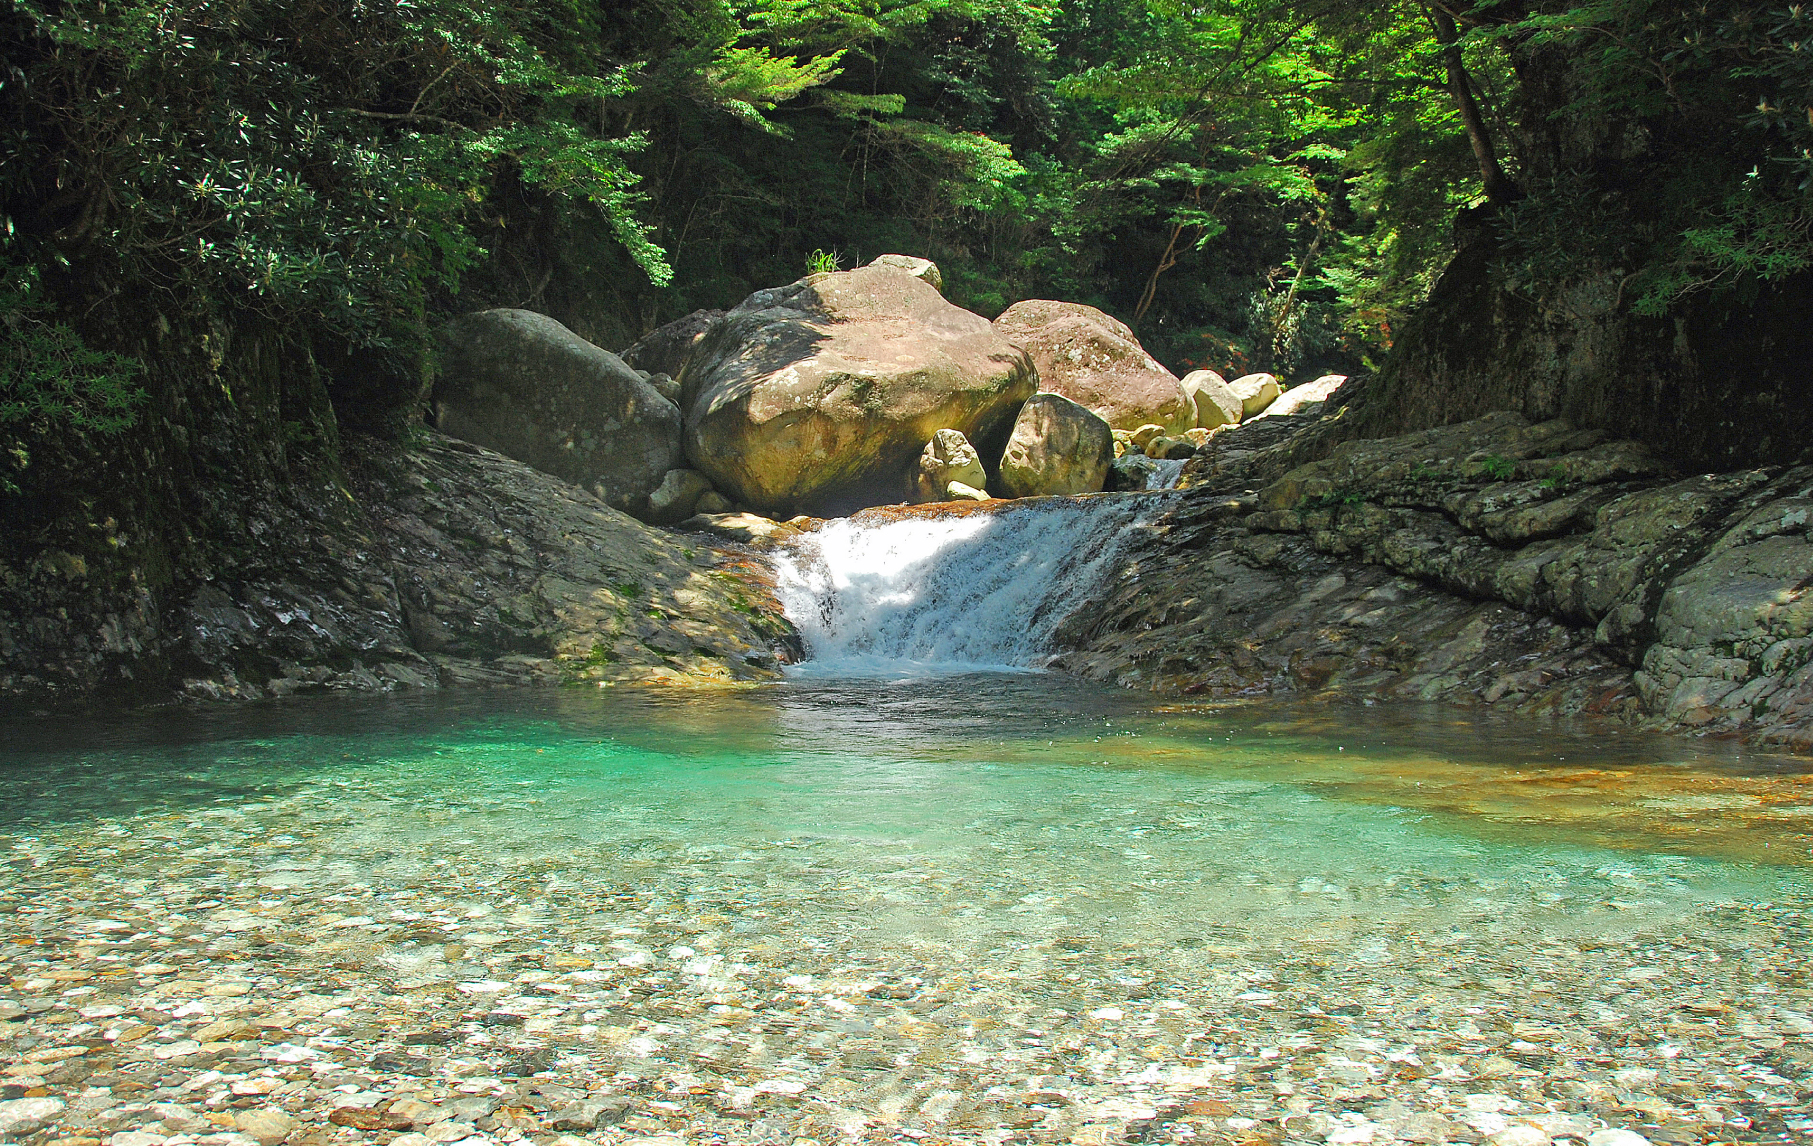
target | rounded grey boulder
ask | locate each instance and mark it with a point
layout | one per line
(1057, 447)
(524, 385)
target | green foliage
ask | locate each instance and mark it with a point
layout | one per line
(1253, 184)
(52, 383)
(1334, 499)
(1737, 79)
(50, 380)
(1496, 468)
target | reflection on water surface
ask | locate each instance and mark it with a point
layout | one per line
(968, 907)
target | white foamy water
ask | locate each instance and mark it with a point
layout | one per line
(981, 591)
(1167, 473)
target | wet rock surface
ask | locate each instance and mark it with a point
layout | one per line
(1494, 561)
(438, 564)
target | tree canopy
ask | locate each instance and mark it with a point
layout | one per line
(1266, 184)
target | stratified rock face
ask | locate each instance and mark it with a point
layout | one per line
(1734, 633)
(1495, 561)
(1216, 402)
(1057, 447)
(819, 396)
(1094, 360)
(524, 385)
(664, 349)
(948, 457)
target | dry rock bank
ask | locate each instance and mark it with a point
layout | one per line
(435, 564)
(1498, 561)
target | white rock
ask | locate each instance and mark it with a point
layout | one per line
(1255, 391)
(1616, 1136)
(135, 1138)
(267, 1125)
(1519, 1134)
(1293, 400)
(24, 1115)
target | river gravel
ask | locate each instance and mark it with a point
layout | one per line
(286, 970)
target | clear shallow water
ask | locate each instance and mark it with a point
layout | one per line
(986, 888)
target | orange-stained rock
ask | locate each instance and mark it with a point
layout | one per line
(1094, 360)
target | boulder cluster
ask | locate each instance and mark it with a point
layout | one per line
(835, 393)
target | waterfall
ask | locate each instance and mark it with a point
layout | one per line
(1166, 475)
(887, 591)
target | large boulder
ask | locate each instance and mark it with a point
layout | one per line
(912, 265)
(1294, 400)
(664, 349)
(524, 385)
(1057, 447)
(677, 497)
(948, 457)
(1093, 359)
(1217, 403)
(1255, 391)
(819, 396)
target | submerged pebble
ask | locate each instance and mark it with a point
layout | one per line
(345, 960)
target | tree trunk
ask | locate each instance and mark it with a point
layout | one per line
(1499, 188)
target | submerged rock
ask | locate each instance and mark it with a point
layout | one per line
(817, 397)
(524, 385)
(1094, 360)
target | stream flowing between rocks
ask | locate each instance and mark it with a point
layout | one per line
(894, 898)
(972, 907)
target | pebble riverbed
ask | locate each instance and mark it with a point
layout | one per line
(341, 958)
